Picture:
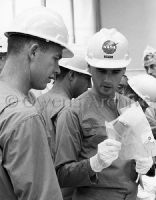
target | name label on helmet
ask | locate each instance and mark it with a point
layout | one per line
(107, 56)
(109, 47)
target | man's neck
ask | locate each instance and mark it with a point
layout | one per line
(100, 96)
(15, 77)
(60, 88)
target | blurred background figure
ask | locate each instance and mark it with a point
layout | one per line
(149, 58)
(122, 87)
(3, 50)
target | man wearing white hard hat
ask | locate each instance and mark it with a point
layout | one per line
(85, 158)
(149, 59)
(73, 80)
(37, 39)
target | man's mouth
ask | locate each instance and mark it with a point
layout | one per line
(107, 86)
(51, 77)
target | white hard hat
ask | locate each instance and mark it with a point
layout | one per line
(43, 23)
(76, 63)
(145, 86)
(3, 43)
(108, 48)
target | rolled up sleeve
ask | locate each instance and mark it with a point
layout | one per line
(71, 171)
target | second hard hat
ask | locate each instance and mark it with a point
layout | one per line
(108, 48)
(43, 23)
(76, 63)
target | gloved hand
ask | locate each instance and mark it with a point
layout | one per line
(143, 165)
(108, 151)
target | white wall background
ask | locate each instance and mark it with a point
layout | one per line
(136, 19)
(6, 13)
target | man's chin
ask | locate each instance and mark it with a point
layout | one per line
(40, 87)
(108, 94)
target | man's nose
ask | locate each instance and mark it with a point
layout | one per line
(57, 69)
(89, 84)
(108, 76)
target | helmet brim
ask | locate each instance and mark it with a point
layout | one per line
(66, 52)
(75, 69)
(108, 64)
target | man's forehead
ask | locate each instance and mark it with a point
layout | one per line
(57, 51)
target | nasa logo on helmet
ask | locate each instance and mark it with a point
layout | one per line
(109, 47)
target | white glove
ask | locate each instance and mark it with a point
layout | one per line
(143, 165)
(108, 151)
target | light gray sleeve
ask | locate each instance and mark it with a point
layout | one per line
(29, 163)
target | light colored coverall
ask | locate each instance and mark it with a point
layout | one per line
(50, 105)
(80, 128)
(26, 167)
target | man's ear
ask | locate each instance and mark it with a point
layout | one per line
(71, 75)
(89, 69)
(33, 49)
(124, 70)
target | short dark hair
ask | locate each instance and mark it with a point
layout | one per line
(16, 43)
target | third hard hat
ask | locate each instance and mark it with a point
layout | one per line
(108, 48)
(145, 86)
